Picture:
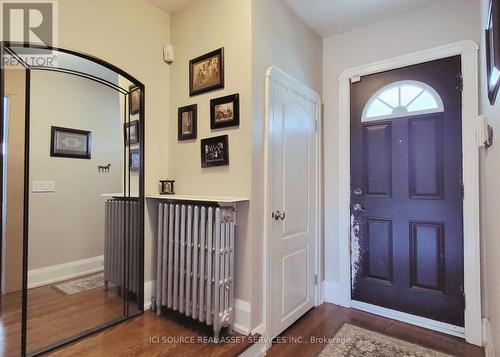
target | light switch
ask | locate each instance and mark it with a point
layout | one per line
(44, 186)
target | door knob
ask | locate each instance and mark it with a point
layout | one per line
(358, 191)
(278, 215)
(358, 208)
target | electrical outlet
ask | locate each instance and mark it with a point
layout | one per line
(44, 186)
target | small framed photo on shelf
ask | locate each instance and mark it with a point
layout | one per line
(225, 111)
(206, 73)
(167, 187)
(215, 151)
(131, 132)
(493, 50)
(134, 103)
(134, 161)
(70, 143)
(187, 122)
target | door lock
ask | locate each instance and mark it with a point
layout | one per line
(358, 208)
(278, 215)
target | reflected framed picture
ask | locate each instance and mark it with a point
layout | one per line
(187, 122)
(70, 143)
(225, 111)
(134, 103)
(206, 73)
(131, 132)
(134, 161)
(493, 50)
(215, 151)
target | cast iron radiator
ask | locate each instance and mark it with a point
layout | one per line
(121, 244)
(195, 263)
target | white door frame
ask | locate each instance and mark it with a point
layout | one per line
(468, 51)
(274, 74)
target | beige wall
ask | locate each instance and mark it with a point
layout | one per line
(281, 39)
(490, 168)
(129, 34)
(12, 246)
(201, 27)
(441, 23)
(68, 225)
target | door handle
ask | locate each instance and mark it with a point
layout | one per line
(358, 208)
(278, 215)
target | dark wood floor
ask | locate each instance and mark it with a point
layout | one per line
(54, 316)
(150, 335)
(327, 319)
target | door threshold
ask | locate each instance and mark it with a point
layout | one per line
(419, 321)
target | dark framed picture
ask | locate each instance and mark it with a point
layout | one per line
(215, 151)
(187, 122)
(71, 143)
(131, 132)
(493, 50)
(206, 73)
(225, 111)
(134, 103)
(134, 161)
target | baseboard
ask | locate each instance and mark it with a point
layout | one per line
(242, 317)
(410, 319)
(259, 330)
(148, 293)
(242, 310)
(489, 348)
(60, 272)
(332, 294)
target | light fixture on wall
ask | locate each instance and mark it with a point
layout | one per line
(168, 53)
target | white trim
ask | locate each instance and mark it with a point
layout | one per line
(472, 277)
(273, 73)
(408, 318)
(60, 272)
(489, 343)
(148, 293)
(258, 349)
(242, 317)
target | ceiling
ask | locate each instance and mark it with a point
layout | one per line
(170, 5)
(330, 17)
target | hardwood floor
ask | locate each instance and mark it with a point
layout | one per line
(327, 319)
(151, 335)
(54, 316)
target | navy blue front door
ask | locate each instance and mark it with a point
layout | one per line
(407, 191)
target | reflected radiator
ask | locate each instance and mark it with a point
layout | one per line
(121, 244)
(195, 263)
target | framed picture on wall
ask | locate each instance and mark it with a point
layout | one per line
(493, 50)
(134, 161)
(70, 143)
(206, 73)
(225, 111)
(131, 132)
(187, 122)
(215, 151)
(134, 103)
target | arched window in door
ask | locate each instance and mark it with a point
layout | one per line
(400, 99)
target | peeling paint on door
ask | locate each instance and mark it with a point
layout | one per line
(356, 267)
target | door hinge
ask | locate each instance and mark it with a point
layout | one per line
(316, 279)
(460, 86)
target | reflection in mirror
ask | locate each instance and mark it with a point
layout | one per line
(11, 257)
(76, 157)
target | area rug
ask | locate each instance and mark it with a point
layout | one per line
(80, 285)
(355, 341)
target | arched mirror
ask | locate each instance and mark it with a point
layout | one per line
(73, 193)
